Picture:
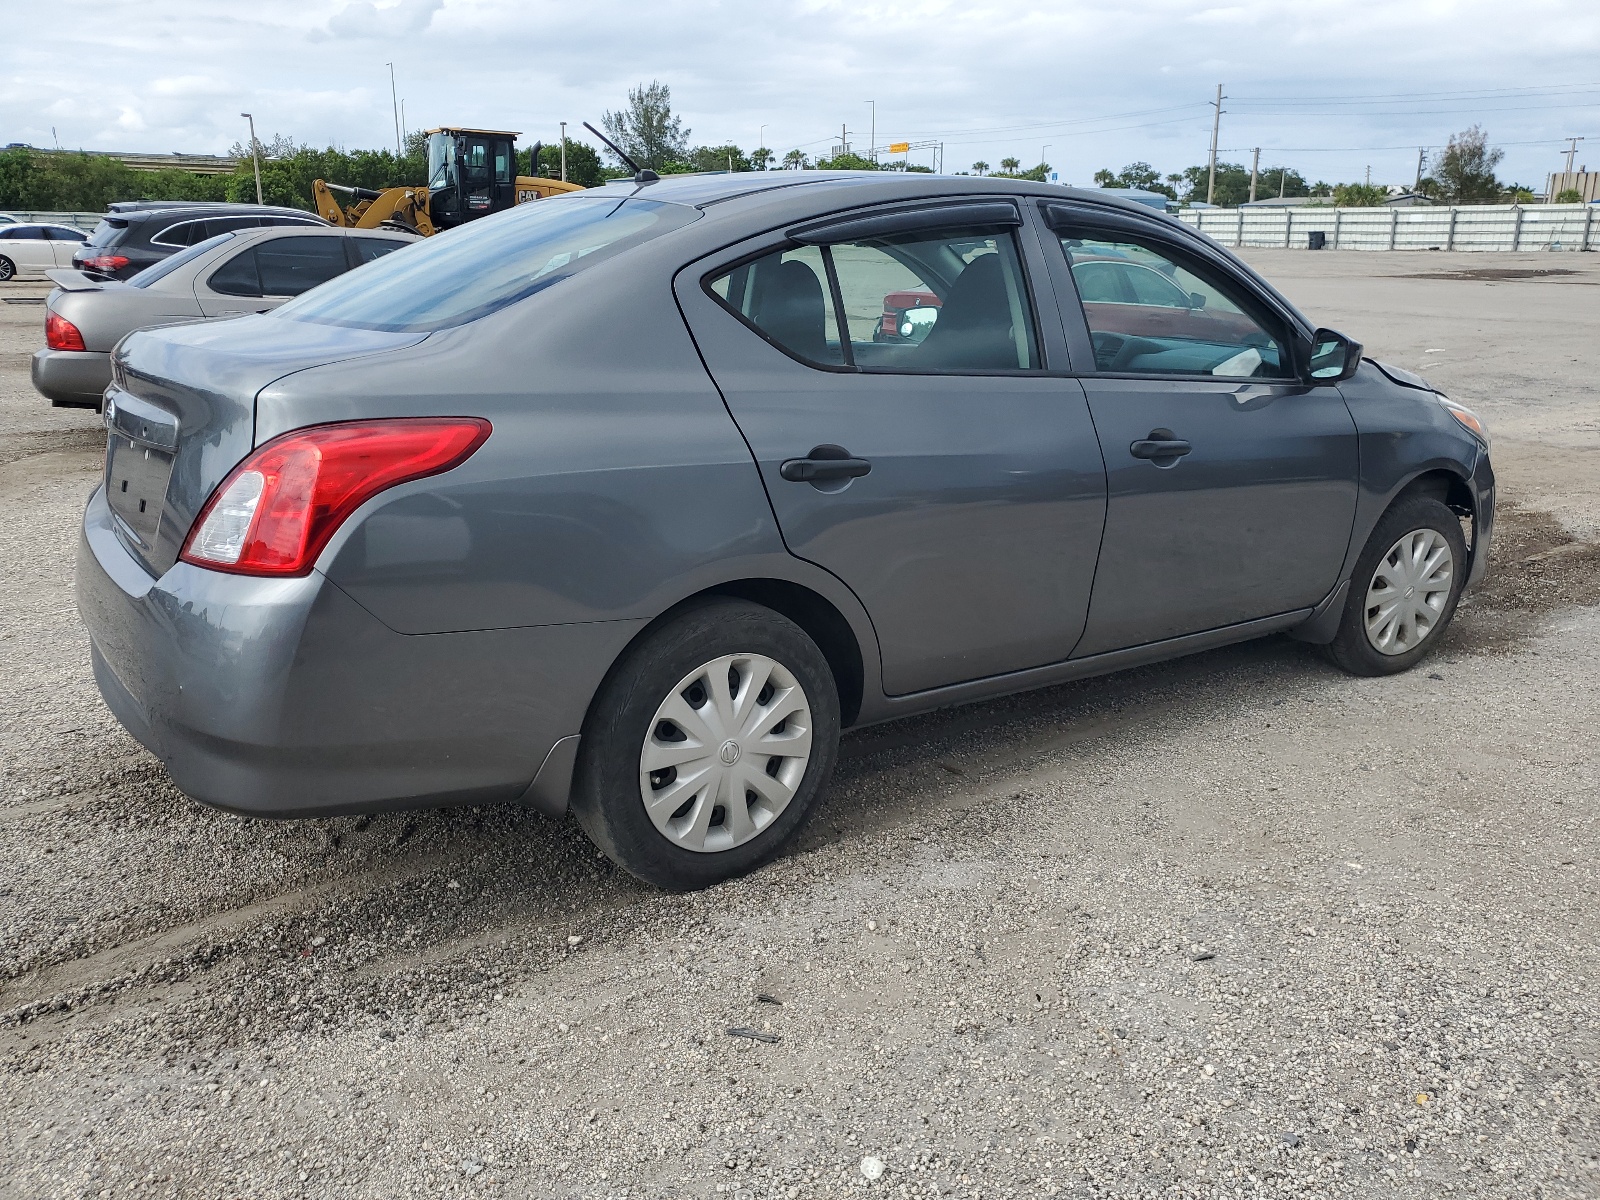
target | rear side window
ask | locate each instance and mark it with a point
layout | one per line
(486, 265)
(58, 233)
(370, 249)
(281, 267)
(949, 300)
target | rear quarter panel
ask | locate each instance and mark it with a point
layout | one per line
(106, 316)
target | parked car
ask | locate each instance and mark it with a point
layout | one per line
(228, 275)
(8, 219)
(614, 505)
(32, 249)
(140, 233)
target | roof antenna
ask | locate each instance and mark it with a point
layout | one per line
(640, 174)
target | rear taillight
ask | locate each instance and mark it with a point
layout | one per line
(104, 262)
(61, 334)
(277, 509)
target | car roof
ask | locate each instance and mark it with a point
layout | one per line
(865, 187)
(195, 211)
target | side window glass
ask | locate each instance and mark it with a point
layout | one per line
(293, 265)
(368, 249)
(237, 276)
(786, 296)
(952, 300)
(1151, 315)
(946, 300)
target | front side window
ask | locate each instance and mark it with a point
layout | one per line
(949, 300)
(1150, 314)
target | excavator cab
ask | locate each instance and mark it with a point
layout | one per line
(471, 173)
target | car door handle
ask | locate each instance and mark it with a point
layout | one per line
(1161, 444)
(824, 463)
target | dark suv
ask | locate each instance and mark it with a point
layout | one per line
(136, 234)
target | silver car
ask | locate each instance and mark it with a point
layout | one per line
(230, 275)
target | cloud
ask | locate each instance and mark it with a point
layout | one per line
(364, 19)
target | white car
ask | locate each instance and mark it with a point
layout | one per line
(29, 249)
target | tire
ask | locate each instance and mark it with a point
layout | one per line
(1387, 629)
(661, 700)
(8, 269)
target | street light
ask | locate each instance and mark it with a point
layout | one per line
(761, 143)
(563, 154)
(255, 153)
(1042, 149)
(872, 142)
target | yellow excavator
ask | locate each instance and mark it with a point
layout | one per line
(471, 173)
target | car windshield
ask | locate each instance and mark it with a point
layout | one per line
(467, 273)
(170, 264)
(109, 232)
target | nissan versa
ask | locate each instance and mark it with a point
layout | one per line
(622, 502)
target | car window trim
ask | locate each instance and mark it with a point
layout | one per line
(858, 226)
(1155, 238)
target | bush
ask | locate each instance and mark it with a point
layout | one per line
(1568, 196)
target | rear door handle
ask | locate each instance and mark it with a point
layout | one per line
(1162, 444)
(824, 463)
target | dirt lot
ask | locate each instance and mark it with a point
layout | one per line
(1238, 925)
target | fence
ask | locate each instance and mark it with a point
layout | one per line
(1467, 227)
(79, 220)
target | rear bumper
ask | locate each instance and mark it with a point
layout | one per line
(285, 698)
(71, 378)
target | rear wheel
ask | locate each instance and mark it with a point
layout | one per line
(1404, 589)
(707, 746)
(8, 269)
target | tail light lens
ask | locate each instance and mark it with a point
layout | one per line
(61, 334)
(103, 262)
(277, 509)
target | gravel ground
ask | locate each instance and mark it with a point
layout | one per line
(1233, 926)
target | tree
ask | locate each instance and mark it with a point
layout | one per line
(1106, 178)
(646, 130)
(583, 163)
(1568, 196)
(847, 162)
(1465, 171)
(1233, 183)
(1359, 195)
(1516, 193)
(1010, 165)
(761, 158)
(715, 158)
(980, 168)
(796, 160)
(1281, 181)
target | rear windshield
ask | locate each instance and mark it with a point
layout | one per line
(109, 232)
(171, 263)
(463, 274)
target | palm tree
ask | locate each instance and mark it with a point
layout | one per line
(795, 160)
(980, 168)
(1011, 164)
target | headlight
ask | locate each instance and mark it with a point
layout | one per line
(1467, 418)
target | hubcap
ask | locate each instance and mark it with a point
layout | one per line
(1408, 592)
(725, 753)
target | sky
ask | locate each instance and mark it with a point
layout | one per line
(1329, 89)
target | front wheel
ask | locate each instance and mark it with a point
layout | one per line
(8, 269)
(707, 746)
(1404, 589)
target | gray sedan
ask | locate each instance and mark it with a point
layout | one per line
(625, 503)
(230, 275)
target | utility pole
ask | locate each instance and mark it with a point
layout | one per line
(404, 130)
(1043, 162)
(563, 152)
(1216, 128)
(1255, 169)
(255, 153)
(1572, 151)
(1369, 174)
(394, 99)
(872, 138)
(1422, 158)
(761, 144)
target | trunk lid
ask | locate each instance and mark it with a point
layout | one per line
(180, 414)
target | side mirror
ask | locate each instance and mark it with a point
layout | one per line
(1334, 357)
(917, 323)
(1196, 300)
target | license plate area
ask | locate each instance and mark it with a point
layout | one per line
(136, 485)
